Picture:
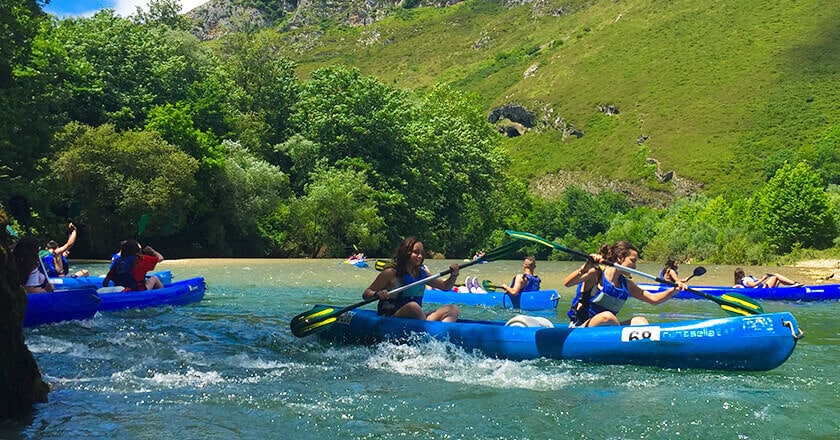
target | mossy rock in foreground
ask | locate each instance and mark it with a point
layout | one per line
(21, 385)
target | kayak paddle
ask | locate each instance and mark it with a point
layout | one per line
(141, 224)
(383, 264)
(320, 317)
(699, 270)
(488, 285)
(732, 303)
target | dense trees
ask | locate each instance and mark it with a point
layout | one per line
(110, 118)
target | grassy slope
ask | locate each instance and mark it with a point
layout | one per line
(717, 85)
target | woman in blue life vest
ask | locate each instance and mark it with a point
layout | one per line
(523, 282)
(602, 292)
(670, 272)
(408, 268)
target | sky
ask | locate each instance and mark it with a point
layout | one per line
(86, 8)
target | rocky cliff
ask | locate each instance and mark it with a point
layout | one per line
(220, 17)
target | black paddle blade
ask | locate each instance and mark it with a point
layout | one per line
(313, 321)
(699, 270)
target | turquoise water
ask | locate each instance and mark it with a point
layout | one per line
(229, 367)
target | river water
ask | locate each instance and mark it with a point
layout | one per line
(228, 367)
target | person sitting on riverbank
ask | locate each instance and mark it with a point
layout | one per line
(769, 280)
(408, 267)
(129, 270)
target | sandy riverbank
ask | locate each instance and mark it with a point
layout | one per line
(821, 270)
(819, 264)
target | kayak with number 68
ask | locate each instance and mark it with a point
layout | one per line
(752, 343)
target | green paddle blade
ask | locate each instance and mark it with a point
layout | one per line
(383, 264)
(141, 224)
(314, 320)
(488, 285)
(738, 304)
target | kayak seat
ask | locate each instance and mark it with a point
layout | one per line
(529, 321)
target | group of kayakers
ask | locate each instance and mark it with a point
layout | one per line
(128, 267)
(602, 288)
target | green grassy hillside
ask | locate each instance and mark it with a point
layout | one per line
(718, 86)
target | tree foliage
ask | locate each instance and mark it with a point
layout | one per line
(108, 118)
(794, 209)
(116, 177)
(337, 210)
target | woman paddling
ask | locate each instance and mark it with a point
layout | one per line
(602, 292)
(408, 268)
(670, 272)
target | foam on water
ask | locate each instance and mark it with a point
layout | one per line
(444, 361)
(49, 345)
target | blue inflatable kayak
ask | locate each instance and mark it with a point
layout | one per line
(538, 300)
(64, 283)
(824, 292)
(357, 263)
(752, 343)
(58, 306)
(176, 294)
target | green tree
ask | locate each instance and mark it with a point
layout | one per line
(28, 122)
(458, 164)
(163, 13)
(252, 191)
(116, 177)
(638, 226)
(793, 208)
(269, 84)
(356, 120)
(175, 124)
(126, 68)
(19, 21)
(338, 210)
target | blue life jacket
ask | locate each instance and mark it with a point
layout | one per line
(609, 298)
(532, 283)
(49, 262)
(415, 294)
(121, 274)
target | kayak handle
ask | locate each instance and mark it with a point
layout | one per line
(796, 333)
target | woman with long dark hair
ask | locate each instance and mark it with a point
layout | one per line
(408, 267)
(32, 277)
